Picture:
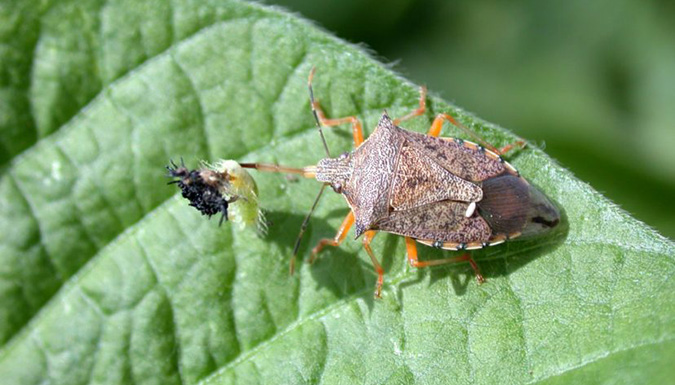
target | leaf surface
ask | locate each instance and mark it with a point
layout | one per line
(109, 277)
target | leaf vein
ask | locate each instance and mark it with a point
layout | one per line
(31, 209)
(200, 110)
(65, 127)
(565, 369)
(176, 330)
(521, 321)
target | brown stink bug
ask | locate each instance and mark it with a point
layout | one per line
(447, 193)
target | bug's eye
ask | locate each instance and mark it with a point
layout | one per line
(337, 187)
(343, 156)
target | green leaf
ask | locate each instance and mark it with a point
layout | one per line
(107, 276)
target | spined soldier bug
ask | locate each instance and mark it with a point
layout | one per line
(446, 193)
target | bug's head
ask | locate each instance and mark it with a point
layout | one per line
(512, 205)
(181, 172)
(335, 171)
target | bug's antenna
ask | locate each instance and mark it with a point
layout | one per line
(316, 116)
(302, 230)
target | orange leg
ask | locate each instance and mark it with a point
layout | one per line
(509, 147)
(367, 238)
(437, 125)
(357, 130)
(337, 240)
(419, 111)
(411, 248)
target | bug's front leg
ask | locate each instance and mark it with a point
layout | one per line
(367, 238)
(337, 240)
(411, 248)
(437, 125)
(357, 129)
(419, 111)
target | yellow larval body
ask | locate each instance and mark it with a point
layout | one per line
(245, 210)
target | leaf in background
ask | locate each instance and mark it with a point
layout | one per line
(107, 276)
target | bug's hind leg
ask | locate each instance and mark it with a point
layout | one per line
(511, 146)
(367, 238)
(357, 129)
(411, 248)
(437, 125)
(419, 111)
(337, 240)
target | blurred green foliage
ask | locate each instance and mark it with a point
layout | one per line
(592, 82)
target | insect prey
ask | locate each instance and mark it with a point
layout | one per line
(224, 188)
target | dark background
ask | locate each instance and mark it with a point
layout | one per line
(592, 82)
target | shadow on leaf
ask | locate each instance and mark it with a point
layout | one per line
(340, 270)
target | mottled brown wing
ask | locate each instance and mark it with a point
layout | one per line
(465, 162)
(441, 221)
(420, 180)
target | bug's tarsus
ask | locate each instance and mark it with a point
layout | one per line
(419, 111)
(223, 216)
(337, 240)
(305, 222)
(224, 206)
(476, 270)
(511, 146)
